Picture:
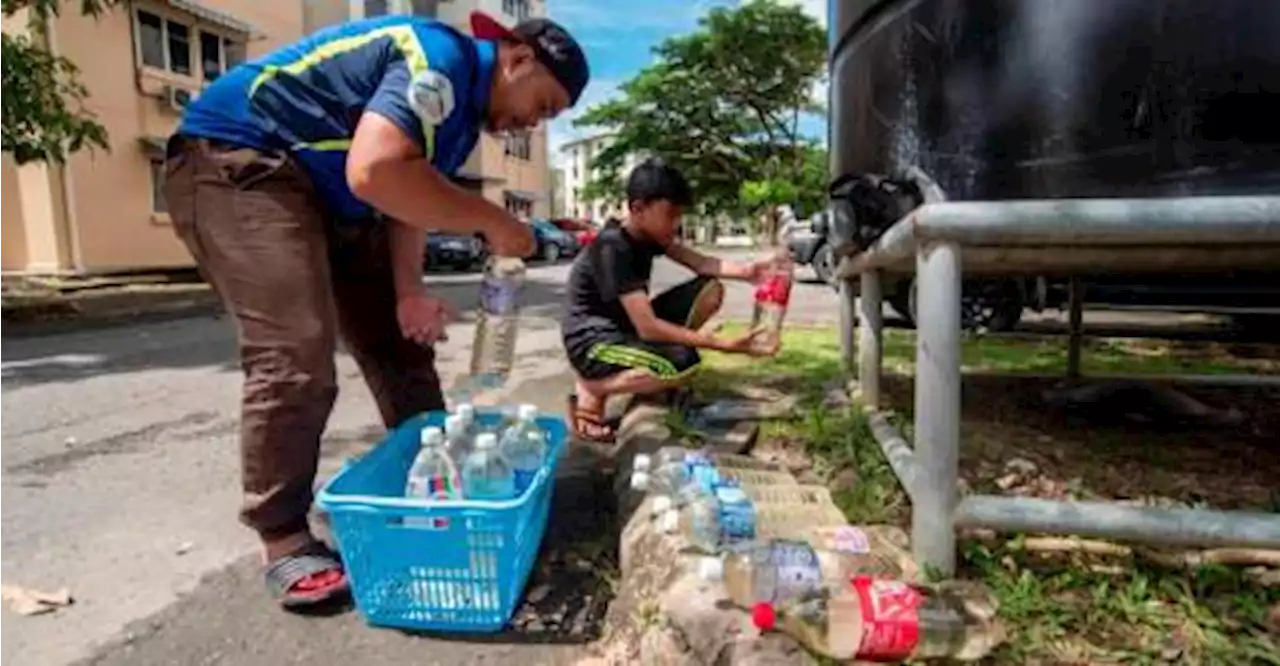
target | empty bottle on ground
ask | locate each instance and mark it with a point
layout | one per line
(433, 474)
(783, 513)
(669, 454)
(869, 619)
(673, 478)
(712, 520)
(497, 322)
(772, 297)
(524, 445)
(783, 569)
(486, 475)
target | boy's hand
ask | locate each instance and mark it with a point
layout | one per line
(752, 343)
(423, 318)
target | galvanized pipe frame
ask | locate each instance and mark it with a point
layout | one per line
(935, 234)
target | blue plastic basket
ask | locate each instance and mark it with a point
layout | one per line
(456, 566)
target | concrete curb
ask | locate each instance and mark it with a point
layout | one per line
(26, 315)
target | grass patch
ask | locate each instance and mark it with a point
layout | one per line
(1058, 608)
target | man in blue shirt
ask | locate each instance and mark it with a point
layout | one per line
(304, 183)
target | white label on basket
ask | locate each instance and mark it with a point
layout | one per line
(425, 523)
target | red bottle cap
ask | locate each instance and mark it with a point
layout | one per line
(763, 616)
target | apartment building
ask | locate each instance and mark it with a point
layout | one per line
(579, 167)
(142, 62)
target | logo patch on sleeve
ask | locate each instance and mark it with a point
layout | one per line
(431, 97)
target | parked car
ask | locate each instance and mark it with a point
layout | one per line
(584, 231)
(808, 246)
(454, 251)
(552, 242)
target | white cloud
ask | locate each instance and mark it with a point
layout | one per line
(814, 8)
(590, 15)
(561, 130)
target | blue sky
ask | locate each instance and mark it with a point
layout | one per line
(617, 36)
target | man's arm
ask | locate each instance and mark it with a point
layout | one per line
(389, 165)
(711, 266)
(407, 245)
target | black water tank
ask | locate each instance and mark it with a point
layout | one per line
(1016, 99)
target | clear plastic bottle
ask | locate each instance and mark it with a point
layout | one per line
(433, 474)
(783, 569)
(669, 454)
(869, 619)
(467, 412)
(486, 475)
(524, 445)
(778, 520)
(678, 478)
(772, 297)
(713, 520)
(497, 322)
(458, 440)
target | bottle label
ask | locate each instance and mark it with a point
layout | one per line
(774, 289)
(850, 540)
(499, 296)
(736, 513)
(704, 474)
(890, 618)
(798, 572)
(440, 487)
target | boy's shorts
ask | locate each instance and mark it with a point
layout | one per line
(602, 355)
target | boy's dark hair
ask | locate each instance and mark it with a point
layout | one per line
(655, 180)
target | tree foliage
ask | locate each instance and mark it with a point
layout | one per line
(44, 118)
(724, 104)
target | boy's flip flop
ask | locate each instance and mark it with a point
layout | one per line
(589, 427)
(310, 576)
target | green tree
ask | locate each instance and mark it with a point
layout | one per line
(44, 118)
(724, 104)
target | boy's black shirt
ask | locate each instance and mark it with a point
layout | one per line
(616, 263)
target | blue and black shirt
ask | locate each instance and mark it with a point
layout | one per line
(307, 98)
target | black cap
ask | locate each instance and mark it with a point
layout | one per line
(552, 45)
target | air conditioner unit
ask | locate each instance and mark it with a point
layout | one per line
(178, 98)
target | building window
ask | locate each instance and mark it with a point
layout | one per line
(211, 55)
(517, 8)
(179, 39)
(519, 144)
(517, 205)
(374, 8)
(157, 187)
(166, 44)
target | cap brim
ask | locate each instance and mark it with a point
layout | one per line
(488, 28)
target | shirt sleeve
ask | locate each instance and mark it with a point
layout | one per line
(418, 94)
(617, 275)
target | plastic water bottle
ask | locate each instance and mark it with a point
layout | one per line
(433, 474)
(486, 475)
(458, 440)
(524, 445)
(713, 520)
(672, 477)
(877, 620)
(467, 412)
(772, 297)
(497, 322)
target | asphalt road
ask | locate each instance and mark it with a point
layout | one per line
(120, 483)
(120, 478)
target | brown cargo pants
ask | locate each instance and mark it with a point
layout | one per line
(291, 280)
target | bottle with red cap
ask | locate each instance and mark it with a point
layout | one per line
(877, 620)
(772, 296)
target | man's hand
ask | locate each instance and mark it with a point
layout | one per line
(780, 260)
(423, 318)
(509, 237)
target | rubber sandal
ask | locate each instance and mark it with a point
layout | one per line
(310, 576)
(584, 420)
